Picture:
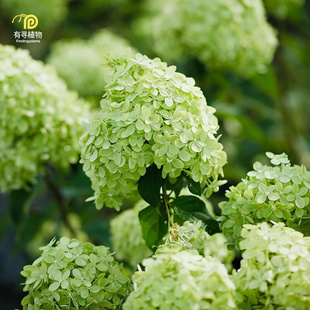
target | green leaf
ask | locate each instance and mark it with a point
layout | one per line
(212, 226)
(190, 207)
(194, 187)
(153, 224)
(149, 185)
(175, 185)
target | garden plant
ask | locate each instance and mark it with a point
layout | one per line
(126, 155)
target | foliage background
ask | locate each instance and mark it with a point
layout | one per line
(265, 112)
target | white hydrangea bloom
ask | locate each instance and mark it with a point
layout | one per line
(149, 114)
(182, 280)
(224, 34)
(275, 269)
(40, 119)
(268, 193)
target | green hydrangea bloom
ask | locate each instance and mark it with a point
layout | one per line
(182, 280)
(278, 193)
(126, 236)
(49, 16)
(149, 114)
(222, 34)
(79, 61)
(74, 275)
(40, 119)
(275, 269)
(216, 246)
(193, 236)
(282, 9)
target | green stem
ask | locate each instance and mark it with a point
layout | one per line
(166, 203)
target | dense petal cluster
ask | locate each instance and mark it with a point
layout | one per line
(282, 9)
(278, 193)
(149, 114)
(126, 236)
(49, 16)
(40, 119)
(193, 236)
(223, 34)
(182, 280)
(79, 61)
(74, 275)
(275, 269)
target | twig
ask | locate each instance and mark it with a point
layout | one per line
(60, 201)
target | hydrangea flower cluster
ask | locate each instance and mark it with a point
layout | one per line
(126, 236)
(149, 114)
(79, 61)
(49, 16)
(40, 119)
(269, 193)
(184, 280)
(188, 236)
(275, 269)
(193, 236)
(282, 9)
(221, 34)
(74, 275)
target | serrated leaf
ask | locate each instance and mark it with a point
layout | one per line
(149, 185)
(153, 225)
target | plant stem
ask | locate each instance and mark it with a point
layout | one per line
(166, 204)
(59, 200)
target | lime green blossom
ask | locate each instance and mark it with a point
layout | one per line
(222, 34)
(182, 280)
(74, 275)
(79, 61)
(149, 114)
(275, 269)
(282, 9)
(126, 236)
(40, 119)
(278, 193)
(193, 236)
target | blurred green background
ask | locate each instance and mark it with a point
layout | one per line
(257, 113)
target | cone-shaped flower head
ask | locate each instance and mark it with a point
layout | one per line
(149, 114)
